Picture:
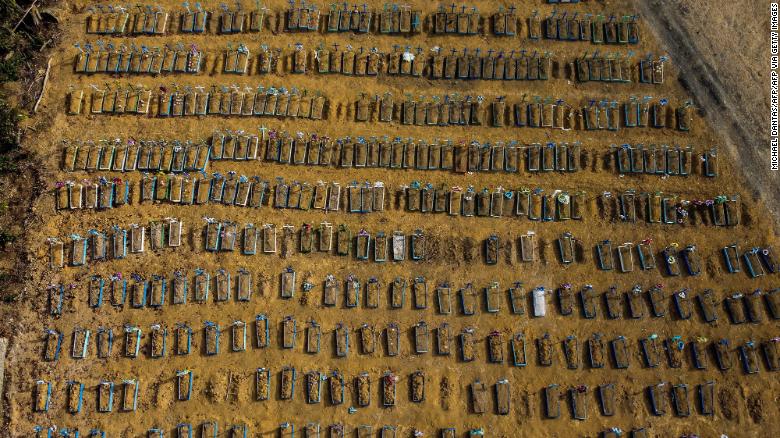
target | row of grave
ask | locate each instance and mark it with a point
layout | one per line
(128, 389)
(361, 62)
(359, 197)
(210, 429)
(757, 261)
(392, 19)
(152, 292)
(540, 113)
(138, 100)
(232, 189)
(220, 236)
(526, 65)
(533, 204)
(176, 156)
(224, 236)
(96, 245)
(721, 210)
(336, 385)
(301, 149)
(598, 349)
(445, 110)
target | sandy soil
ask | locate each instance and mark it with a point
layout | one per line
(224, 387)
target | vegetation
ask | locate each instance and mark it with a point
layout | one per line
(9, 132)
(16, 43)
(6, 238)
(22, 36)
(10, 59)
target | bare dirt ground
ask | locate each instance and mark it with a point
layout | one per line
(225, 389)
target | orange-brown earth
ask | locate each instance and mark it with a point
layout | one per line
(224, 384)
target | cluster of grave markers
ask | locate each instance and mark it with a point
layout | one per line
(444, 110)
(220, 236)
(197, 101)
(498, 112)
(393, 18)
(176, 156)
(256, 192)
(602, 351)
(433, 63)
(176, 171)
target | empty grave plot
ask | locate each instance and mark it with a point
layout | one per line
(315, 219)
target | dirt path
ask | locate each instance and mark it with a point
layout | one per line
(719, 51)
